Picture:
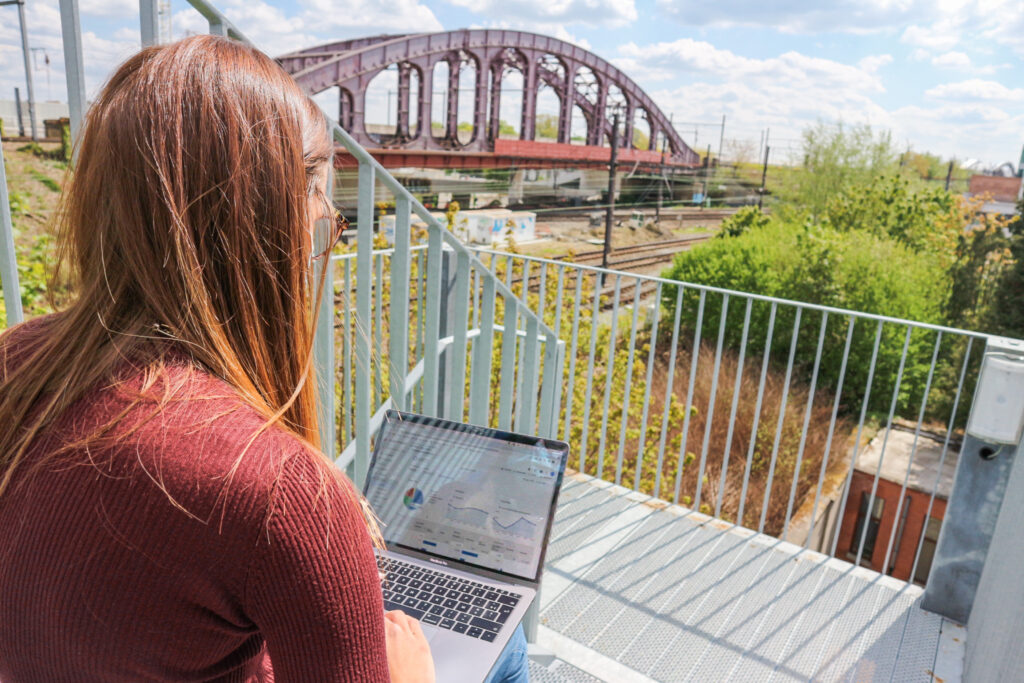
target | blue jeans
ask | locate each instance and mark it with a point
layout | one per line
(512, 666)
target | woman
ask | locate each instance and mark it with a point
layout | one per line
(166, 514)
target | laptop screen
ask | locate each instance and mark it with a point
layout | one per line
(467, 494)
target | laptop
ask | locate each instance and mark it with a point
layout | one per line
(466, 514)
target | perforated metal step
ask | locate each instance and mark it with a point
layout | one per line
(657, 592)
(559, 672)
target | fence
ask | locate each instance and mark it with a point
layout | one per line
(780, 398)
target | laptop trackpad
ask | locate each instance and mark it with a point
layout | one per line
(430, 631)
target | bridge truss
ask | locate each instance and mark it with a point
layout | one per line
(578, 78)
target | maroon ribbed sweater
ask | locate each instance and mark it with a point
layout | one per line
(146, 560)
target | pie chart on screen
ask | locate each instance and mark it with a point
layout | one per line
(413, 498)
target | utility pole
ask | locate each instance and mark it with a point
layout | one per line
(949, 175)
(27, 54)
(721, 139)
(707, 179)
(609, 216)
(764, 177)
(661, 181)
(17, 107)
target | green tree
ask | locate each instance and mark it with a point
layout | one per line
(1005, 313)
(547, 126)
(834, 158)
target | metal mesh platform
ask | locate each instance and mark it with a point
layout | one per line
(638, 590)
(559, 672)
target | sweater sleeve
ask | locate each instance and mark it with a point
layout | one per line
(313, 588)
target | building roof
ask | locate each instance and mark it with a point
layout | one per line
(1001, 189)
(898, 450)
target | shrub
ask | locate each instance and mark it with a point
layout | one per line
(852, 270)
(747, 218)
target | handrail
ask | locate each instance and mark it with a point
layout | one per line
(746, 295)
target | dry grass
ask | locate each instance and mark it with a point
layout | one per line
(760, 457)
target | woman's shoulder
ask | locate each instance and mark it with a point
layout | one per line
(182, 410)
(17, 341)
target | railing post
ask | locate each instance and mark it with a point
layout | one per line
(993, 651)
(8, 257)
(364, 285)
(149, 23)
(980, 483)
(446, 327)
(71, 32)
(398, 361)
(323, 348)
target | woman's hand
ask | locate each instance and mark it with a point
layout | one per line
(409, 659)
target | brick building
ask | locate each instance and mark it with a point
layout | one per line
(906, 527)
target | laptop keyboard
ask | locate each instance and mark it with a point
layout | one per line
(449, 602)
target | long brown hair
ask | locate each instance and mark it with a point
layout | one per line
(184, 227)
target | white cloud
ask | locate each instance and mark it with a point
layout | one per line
(942, 35)
(976, 89)
(873, 63)
(99, 54)
(276, 31)
(662, 61)
(554, 30)
(552, 12)
(976, 130)
(794, 16)
(952, 60)
(1005, 24)
(935, 25)
(109, 8)
(785, 93)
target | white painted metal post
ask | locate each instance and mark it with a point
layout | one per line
(323, 346)
(74, 67)
(979, 486)
(8, 259)
(993, 643)
(149, 23)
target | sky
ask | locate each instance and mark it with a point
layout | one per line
(942, 76)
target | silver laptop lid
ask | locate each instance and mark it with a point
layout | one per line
(477, 496)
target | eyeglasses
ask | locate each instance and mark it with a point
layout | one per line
(333, 231)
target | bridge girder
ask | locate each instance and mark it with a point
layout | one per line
(543, 61)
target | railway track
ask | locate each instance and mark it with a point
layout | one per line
(637, 256)
(640, 255)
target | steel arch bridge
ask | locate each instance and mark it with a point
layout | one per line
(579, 78)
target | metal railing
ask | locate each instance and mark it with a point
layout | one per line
(782, 399)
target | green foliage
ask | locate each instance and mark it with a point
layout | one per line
(746, 218)
(34, 149)
(640, 139)
(47, 181)
(836, 157)
(506, 128)
(887, 206)
(17, 203)
(62, 153)
(547, 126)
(65, 143)
(816, 264)
(1004, 314)
(32, 277)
